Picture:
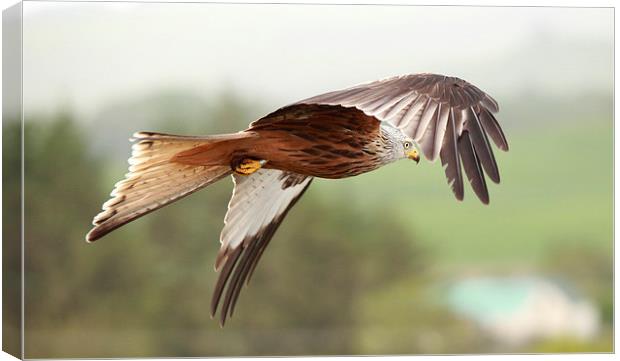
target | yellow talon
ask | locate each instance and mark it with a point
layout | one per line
(248, 166)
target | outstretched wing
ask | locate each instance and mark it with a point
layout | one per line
(258, 205)
(447, 116)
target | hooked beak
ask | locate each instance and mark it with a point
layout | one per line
(414, 155)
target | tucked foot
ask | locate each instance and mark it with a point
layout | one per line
(248, 166)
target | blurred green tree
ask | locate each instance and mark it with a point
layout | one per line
(11, 235)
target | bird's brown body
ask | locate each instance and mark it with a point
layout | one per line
(319, 141)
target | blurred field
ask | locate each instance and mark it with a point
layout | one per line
(358, 267)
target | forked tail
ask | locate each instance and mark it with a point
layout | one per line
(156, 178)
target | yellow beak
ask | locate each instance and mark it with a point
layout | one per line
(413, 154)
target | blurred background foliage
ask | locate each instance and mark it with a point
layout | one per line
(360, 266)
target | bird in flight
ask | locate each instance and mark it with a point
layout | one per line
(333, 135)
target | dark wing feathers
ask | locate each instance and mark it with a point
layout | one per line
(222, 279)
(481, 145)
(422, 106)
(492, 128)
(257, 207)
(451, 160)
(472, 167)
(490, 103)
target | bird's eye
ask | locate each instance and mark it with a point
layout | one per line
(407, 145)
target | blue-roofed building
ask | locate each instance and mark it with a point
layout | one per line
(515, 310)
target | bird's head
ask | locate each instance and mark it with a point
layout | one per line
(399, 144)
(411, 150)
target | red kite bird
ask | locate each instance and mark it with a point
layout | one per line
(334, 135)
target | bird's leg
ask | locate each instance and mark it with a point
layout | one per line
(247, 166)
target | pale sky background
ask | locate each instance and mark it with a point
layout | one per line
(85, 55)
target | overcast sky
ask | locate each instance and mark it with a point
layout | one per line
(87, 54)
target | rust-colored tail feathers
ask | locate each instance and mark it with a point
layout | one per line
(157, 178)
